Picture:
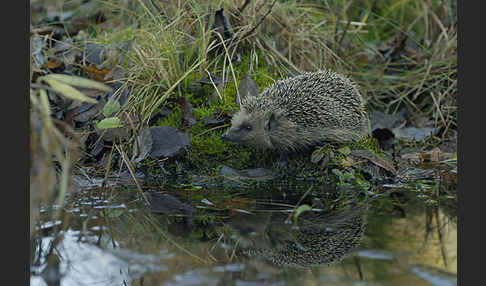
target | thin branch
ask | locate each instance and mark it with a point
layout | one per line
(244, 6)
(261, 21)
(214, 128)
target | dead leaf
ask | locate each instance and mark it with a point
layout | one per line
(223, 30)
(52, 64)
(347, 162)
(67, 90)
(212, 121)
(36, 46)
(93, 93)
(94, 54)
(87, 111)
(78, 81)
(413, 133)
(168, 204)
(380, 162)
(213, 79)
(317, 156)
(189, 119)
(96, 74)
(381, 120)
(247, 87)
(222, 26)
(160, 141)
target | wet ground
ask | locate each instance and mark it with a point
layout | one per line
(398, 235)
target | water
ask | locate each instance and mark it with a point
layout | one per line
(402, 235)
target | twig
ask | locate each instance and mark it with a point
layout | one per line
(244, 5)
(132, 172)
(344, 34)
(298, 203)
(108, 167)
(211, 129)
(261, 20)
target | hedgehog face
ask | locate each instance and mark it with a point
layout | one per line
(247, 128)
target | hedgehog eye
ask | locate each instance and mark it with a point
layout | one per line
(248, 127)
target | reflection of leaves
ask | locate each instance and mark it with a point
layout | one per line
(337, 172)
(317, 156)
(386, 127)
(107, 123)
(300, 210)
(114, 213)
(434, 155)
(322, 155)
(168, 204)
(381, 120)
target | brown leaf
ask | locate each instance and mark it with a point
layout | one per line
(96, 74)
(52, 64)
(189, 119)
(380, 162)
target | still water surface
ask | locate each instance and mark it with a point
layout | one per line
(248, 238)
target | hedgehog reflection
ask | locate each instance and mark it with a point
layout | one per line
(320, 239)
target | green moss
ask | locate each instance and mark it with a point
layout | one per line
(209, 151)
(203, 112)
(174, 119)
(367, 143)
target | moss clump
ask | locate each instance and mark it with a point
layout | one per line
(174, 119)
(208, 150)
(367, 143)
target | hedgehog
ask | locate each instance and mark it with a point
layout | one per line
(300, 112)
(322, 238)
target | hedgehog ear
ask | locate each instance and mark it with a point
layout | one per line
(272, 122)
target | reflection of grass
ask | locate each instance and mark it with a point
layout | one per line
(54, 146)
(425, 232)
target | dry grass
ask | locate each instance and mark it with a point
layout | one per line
(52, 155)
(295, 36)
(174, 46)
